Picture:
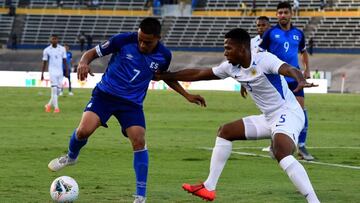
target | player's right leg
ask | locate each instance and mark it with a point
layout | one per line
(89, 123)
(284, 147)
(226, 134)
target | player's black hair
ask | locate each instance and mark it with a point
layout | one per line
(283, 4)
(239, 35)
(150, 26)
(54, 35)
(263, 18)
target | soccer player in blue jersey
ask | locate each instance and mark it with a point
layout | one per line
(69, 62)
(136, 57)
(285, 41)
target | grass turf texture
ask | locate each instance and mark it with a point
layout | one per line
(176, 130)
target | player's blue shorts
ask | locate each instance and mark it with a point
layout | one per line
(105, 105)
(292, 85)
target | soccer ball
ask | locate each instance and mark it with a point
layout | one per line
(64, 189)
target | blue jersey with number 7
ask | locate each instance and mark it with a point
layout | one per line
(129, 71)
(285, 44)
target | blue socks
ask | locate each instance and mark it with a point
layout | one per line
(75, 145)
(303, 133)
(141, 163)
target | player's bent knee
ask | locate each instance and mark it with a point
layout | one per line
(83, 133)
(282, 146)
(138, 143)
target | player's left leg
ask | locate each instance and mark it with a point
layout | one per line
(70, 88)
(251, 127)
(136, 135)
(283, 148)
(303, 134)
(132, 120)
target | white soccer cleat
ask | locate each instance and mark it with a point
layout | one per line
(266, 149)
(71, 94)
(139, 199)
(61, 162)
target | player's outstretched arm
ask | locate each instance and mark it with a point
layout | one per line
(289, 71)
(83, 68)
(304, 57)
(196, 99)
(188, 75)
(43, 69)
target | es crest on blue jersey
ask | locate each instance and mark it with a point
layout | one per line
(154, 66)
(295, 37)
(129, 56)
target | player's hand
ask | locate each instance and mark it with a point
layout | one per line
(307, 74)
(304, 84)
(83, 70)
(243, 92)
(157, 76)
(196, 99)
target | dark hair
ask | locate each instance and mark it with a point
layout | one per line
(54, 35)
(150, 26)
(263, 18)
(239, 35)
(284, 4)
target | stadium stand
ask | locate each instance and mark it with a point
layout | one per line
(178, 31)
(6, 23)
(38, 28)
(101, 4)
(260, 4)
(208, 32)
(337, 33)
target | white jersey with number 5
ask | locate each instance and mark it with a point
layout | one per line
(54, 57)
(262, 81)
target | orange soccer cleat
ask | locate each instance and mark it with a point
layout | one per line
(57, 110)
(47, 108)
(200, 191)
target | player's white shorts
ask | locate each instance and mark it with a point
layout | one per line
(56, 80)
(288, 121)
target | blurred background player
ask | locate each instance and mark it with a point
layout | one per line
(121, 92)
(67, 74)
(262, 24)
(285, 41)
(54, 57)
(282, 118)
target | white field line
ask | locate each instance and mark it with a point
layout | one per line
(310, 162)
(253, 147)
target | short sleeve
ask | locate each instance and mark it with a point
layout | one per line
(168, 57)
(45, 55)
(64, 53)
(271, 63)
(222, 70)
(302, 44)
(114, 44)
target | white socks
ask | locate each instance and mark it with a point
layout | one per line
(299, 178)
(220, 155)
(54, 97)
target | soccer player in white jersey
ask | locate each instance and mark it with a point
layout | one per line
(262, 24)
(281, 120)
(54, 56)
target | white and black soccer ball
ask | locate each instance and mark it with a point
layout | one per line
(64, 189)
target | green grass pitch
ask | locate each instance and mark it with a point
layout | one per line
(176, 132)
